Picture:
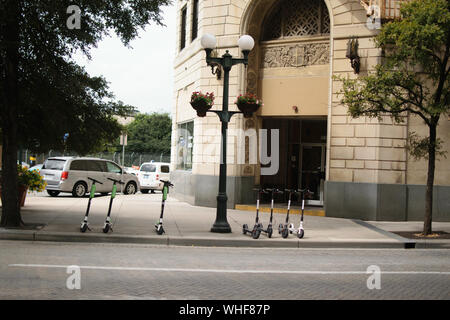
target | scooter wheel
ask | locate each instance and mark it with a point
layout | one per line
(301, 233)
(244, 229)
(285, 233)
(83, 228)
(256, 233)
(269, 232)
(280, 228)
(160, 230)
(106, 228)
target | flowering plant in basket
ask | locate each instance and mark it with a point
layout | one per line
(202, 102)
(248, 103)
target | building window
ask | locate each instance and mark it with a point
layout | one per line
(194, 20)
(183, 28)
(185, 145)
(294, 18)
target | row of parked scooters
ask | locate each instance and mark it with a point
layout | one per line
(108, 225)
(285, 228)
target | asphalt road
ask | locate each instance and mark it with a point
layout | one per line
(40, 270)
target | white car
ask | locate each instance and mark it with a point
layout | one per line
(70, 174)
(150, 176)
(131, 170)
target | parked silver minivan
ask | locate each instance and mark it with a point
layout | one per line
(70, 174)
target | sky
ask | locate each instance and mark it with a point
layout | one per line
(141, 76)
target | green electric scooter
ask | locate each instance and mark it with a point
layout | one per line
(84, 223)
(165, 191)
(108, 224)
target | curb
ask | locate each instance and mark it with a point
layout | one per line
(29, 235)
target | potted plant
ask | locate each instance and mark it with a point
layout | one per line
(29, 180)
(248, 104)
(202, 102)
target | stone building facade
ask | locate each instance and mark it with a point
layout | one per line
(358, 168)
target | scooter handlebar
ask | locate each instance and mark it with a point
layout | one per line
(274, 190)
(260, 190)
(95, 181)
(306, 191)
(117, 181)
(166, 182)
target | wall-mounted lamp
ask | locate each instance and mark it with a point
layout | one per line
(217, 71)
(352, 54)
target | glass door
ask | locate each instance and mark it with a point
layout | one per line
(313, 170)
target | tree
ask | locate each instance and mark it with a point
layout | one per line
(413, 79)
(150, 133)
(43, 93)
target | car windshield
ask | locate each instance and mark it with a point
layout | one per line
(148, 168)
(54, 164)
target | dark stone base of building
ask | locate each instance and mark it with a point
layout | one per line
(365, 201)
(201, 190)
(384, 202)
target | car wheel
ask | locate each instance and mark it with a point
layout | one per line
(130, 188)
(153, 191)
(144, 190)
(79, 189)
(53, 193)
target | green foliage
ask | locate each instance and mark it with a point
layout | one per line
(199, 96)
(419, 147)
(32, 179)
(248, 98)
(56, 96)
(150, 133)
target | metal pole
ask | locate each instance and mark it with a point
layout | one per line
(221, 224)
(123, 155)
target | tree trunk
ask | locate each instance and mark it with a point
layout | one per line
(9, 115)
(430, 179)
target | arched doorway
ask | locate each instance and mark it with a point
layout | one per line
(290, 71)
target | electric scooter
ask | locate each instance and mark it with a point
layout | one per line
(284, 229)
(300, 231)
(108, 224)
(84, 223)
(256, 231)
(269, 229)
(159, 226)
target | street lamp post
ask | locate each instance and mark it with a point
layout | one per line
(246, 44)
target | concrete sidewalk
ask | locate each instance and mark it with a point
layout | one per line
(134, 217)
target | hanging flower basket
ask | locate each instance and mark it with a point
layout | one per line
(248, 104)
(202, 102)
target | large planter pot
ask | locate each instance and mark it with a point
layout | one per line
(22, 194)
(248, 108)
(201, 106)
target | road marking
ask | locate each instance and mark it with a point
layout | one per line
(222, 270)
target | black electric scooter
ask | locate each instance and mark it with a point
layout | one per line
(284, 229)
(108, 224)
(159, 226)
(84, 223)
(269, 229)
(300, 231)
(256, 231)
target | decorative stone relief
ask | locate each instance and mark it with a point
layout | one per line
(295, 55)
(251, 81)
